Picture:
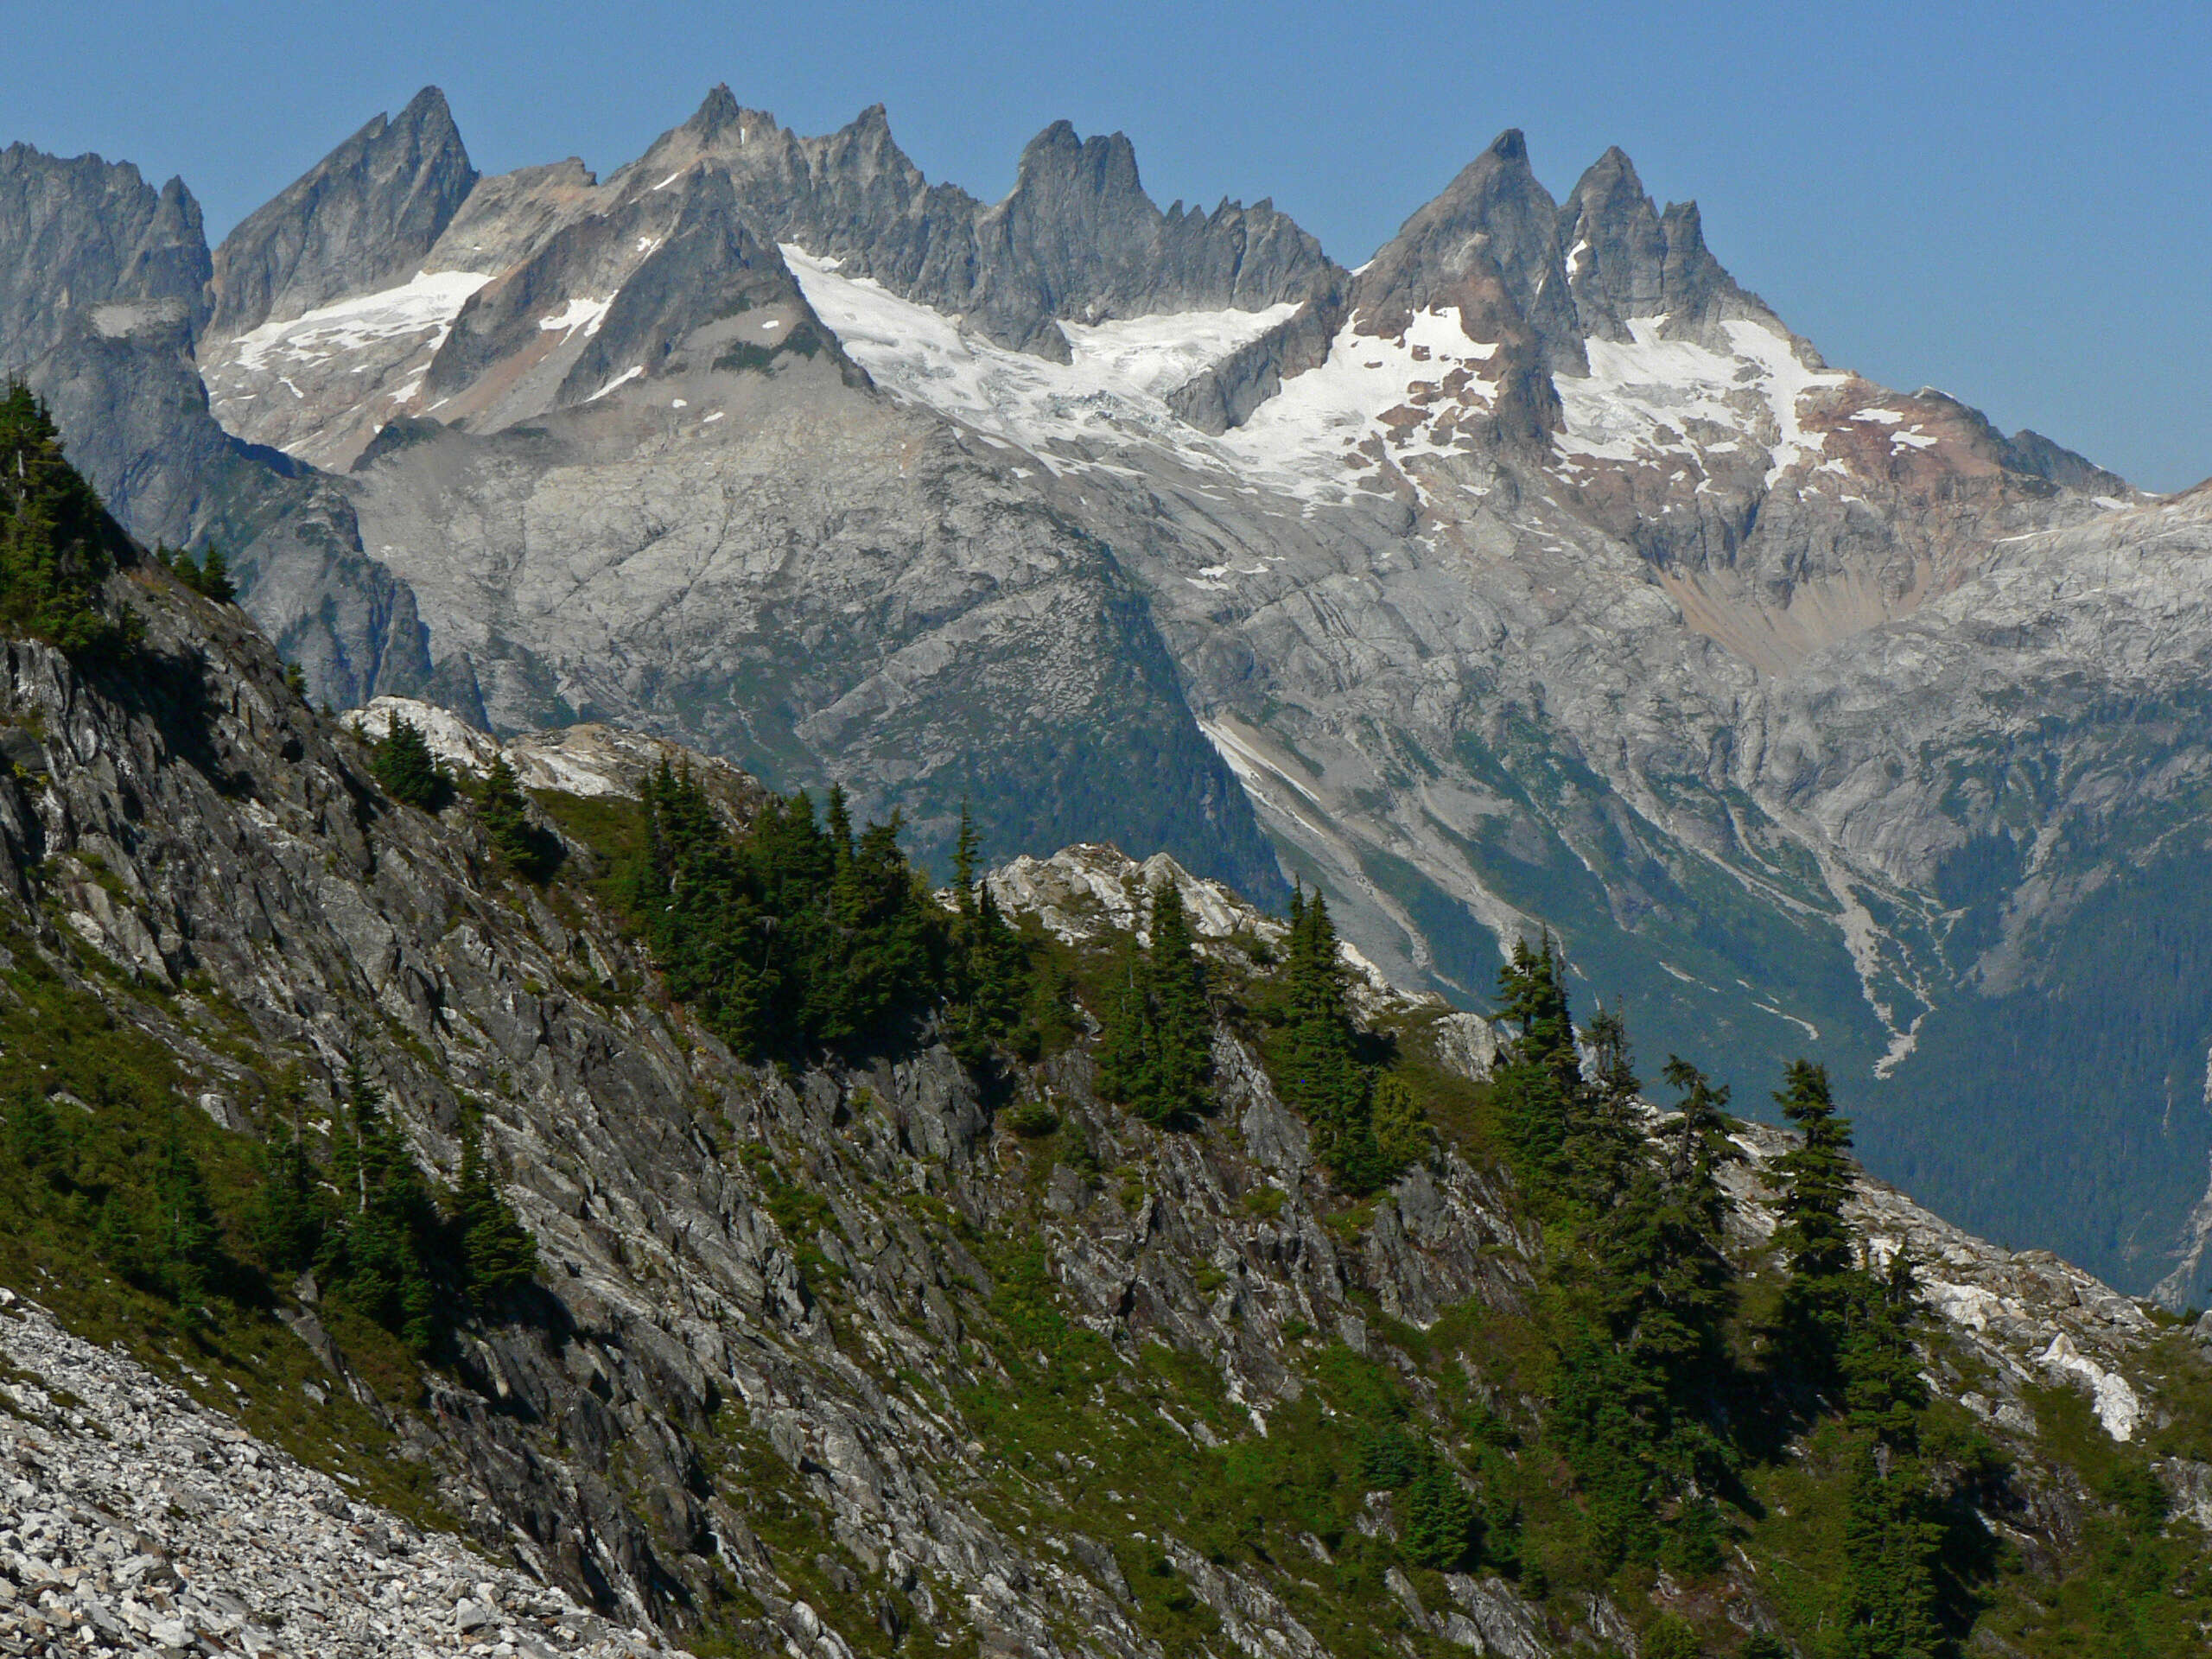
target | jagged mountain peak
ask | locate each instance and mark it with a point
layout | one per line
(717, 111)
(1108, 161)
(1626, 261)
(1487, 243)
(361, 219)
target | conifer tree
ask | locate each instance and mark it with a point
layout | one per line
(290, 1213)
(990, 978)
(379, 1254)
(521, 846)
(1181, 1060)
(211, 577)
(1537, 1082)
(1817, 1243)
(1125, 1047)
(497, 1253)
(1322, 1078)
(185, 1236)
(37, 1134)
(1403, 1136)
(1441, 1531)
(404, 767)
(57, 544)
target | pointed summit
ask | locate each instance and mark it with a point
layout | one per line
(360, 219)
(1494, 229)
(717, 111)
(1625, 260)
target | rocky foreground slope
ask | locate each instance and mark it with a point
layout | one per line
(860, 1357)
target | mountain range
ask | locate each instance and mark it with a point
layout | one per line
(1532, 575)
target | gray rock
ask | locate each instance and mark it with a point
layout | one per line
(360, 219)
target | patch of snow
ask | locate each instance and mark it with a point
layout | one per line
(1785, 382)
(426, 304)
(1647, 395)
(1158, 353)
(712, 418)
(627, 375)
(670, 178)
(1305, 437)
(1110, 391)
(584, 314)
(1887, 416)
(1915, 439)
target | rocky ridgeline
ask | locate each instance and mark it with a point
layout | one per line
(136, 1520)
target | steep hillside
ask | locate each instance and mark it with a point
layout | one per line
(875, 1348)
(1536, 575)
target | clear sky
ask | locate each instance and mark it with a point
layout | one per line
(2011, 201)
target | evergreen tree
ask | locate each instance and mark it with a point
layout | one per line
(185, 1237)
(791, 937)
(57, 543)
(989, 970)
(1441, 1531)
(1179, 1063)
(1537, 1081)
(1322, 1080)
(1125, 1047)
(211, 577)
(522, 847)
(1893, 1542)
(36, 1135)
(404, 767)
(380, 1251)
(290, 1213)
(1402, 1136)
(497, 1253)
(1817, 1243)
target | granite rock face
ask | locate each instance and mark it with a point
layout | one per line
(365, 217)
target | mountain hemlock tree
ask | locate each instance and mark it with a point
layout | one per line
(57, 544)
(379, 1252)
(1817, 1243)
(1846, 1337)
(211, 577)
(521, 846)
(1538, 1074)
(990, 981)
(185, 1239)
(405, 768)
(792, 937)
(498, 1255)
(1322, 1077)
(1158, 1056)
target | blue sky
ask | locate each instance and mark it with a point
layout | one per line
(2012, 202)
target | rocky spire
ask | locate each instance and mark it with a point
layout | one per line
(1489, 241)
(1626, 259)
(358, 221)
